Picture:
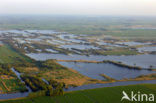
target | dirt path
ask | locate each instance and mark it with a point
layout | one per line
(5, 86)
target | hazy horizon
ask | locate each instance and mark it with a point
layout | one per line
(79, 7)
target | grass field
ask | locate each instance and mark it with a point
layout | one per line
(100, 95)
(115, 26)
(134, 34)
(8, 55)
(13, 85)
(119, 52)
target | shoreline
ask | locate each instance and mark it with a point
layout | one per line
(108, 61)
(99, 85)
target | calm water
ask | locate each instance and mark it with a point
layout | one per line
(51, 50)
(13, 95)
(140, 60)
(147, 49)
(93, 70)
(81, 47)
(132, 43)
(92, 86)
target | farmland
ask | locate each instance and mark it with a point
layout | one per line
(8, 55)
(100, 95)
(129, 27)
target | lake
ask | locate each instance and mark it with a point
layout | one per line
(147, 49)
(93, 70)
(144, 61)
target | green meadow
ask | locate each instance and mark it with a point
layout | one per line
(100, 95)
(125, 27)
(14, 85)
(9, 55)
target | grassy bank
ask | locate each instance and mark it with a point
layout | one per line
(8, 55)
(11, 85)
(100, 95)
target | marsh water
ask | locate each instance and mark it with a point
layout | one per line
(93, 70)
(144, 61)
(81, 47)
(147, 49)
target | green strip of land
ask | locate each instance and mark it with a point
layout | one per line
(8, 55)
(100, 95)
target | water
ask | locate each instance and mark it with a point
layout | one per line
(19, 77)
(45, 37)
(93, 70)
(132, 43)
(56, 42)
(103, 43)
(42, 31)
(81, 47)
(34, 39)
(52, 42)
(140, 60)
(13, 31)
(1, 43)
(45, 81)
(67, 36)
(76, 40)
(39, 50)
(51, 50)
(109, 44)
(29, 32)
(13, 95)
(92, 86)
(147, 49)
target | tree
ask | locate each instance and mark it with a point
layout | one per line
(49, 90)
(150, 66)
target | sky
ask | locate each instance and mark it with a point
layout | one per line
(79, 7)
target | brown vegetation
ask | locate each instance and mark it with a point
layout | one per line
(69, 77)
(31, 69)
(1, 90)
(142, 77)
(6, 77)
(108, 78)
(5, 86)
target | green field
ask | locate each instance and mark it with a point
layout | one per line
(129, 27)
(134, 34)
(13, 85)
(8, 55)
(116, 51)
(100, 95)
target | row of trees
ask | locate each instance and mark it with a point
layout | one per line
(49, 64)
(5, 69)
(40, 88)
